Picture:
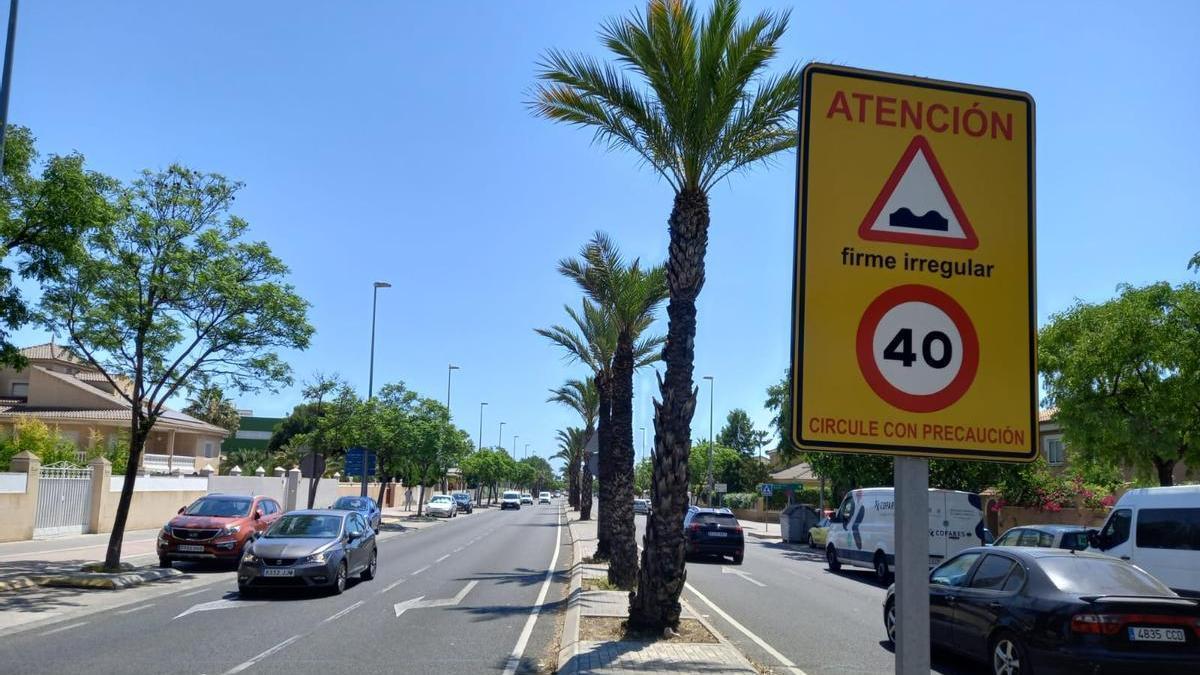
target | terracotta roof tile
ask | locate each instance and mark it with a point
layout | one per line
(50, 350)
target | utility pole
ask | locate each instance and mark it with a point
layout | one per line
(6, 85)
(711, 485)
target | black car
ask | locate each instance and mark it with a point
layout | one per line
(713, 532)
(464, 501)
(310, 548)
(1052, 610)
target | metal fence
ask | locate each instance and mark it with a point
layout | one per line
(64, 500)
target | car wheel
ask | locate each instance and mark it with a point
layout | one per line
(369, 573)
(245, 591)
(737, 558)
(339, 579)
(889, 619)
(831, 559)
(164, 563)
(1008, 655)
(882, 574)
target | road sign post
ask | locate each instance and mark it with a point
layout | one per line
(767, 490)
(914, 320)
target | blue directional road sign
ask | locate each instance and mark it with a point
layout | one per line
(354, 462)
(766, 489)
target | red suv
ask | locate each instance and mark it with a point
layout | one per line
(215, 527)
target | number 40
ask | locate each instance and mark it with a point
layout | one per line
(901, 349)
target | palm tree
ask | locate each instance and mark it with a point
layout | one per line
(570, 449)
(592, 342)
(209, 403)
(630, 295)
(688, 96)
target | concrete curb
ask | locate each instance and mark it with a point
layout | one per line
(100, 580)
(767, 537)
(569, 648)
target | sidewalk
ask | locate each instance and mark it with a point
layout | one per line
(584, 608)
(756, 530)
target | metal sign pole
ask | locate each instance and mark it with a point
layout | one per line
(911, 476)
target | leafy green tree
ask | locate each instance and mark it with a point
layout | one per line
(171, 294)
(209, 404)
(727, 466)
(739, 433)
(1124, 375)
(688, 96)
(642, 475)
(333, 430)
(246, 459)
(46, 209)
(542, 475)
(1194, 263)
(629, 294)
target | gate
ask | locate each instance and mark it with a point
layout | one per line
(64, 499)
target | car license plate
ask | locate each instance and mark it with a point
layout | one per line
(1145, 634)
(190, 548)
(718, 534)
(271, 572)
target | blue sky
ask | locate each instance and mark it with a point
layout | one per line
(390, 141)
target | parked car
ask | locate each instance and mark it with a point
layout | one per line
(510, 500)
(526, 498)
(364, 505)
(1049, 610)
(544, 498)
(216, 528)
(862, 532)
(310, 548)
(713, 532)
(819, 533)
(464, 501)
(1070, 537)
(641, 506)
(1157, 529)
(442, 505)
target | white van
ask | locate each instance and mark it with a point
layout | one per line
(862, 531)
(1157, 529)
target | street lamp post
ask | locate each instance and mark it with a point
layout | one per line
(450, 368)
(711, 387)
(371, 371)
(515, 446)
(643, 442)
(480, 436)
(6, 85)
(500, 437)
(526, 449)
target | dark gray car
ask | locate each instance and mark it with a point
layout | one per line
(310, 548)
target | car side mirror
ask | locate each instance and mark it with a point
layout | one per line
(1094, 539)
(257, 515)
(351, 536)
(180, 511)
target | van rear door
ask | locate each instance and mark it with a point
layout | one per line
(1167, 544)
(937, 527)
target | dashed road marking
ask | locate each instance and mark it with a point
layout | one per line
(344, 612)
(246, 664)
(135, 609)
(62, 628)
(420, 570)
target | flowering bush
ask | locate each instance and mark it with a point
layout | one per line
(1035, 485)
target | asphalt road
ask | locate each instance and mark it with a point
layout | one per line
(823, 623)
(487, 569)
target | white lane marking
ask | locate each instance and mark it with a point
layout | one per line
(61, 629)
(188, 595)
(783, 660)
(442, 558)
(246, 664)
(215, 604)
(136, 609)
(344, 612)
(420, 570)
(392, 585)
(458, 549)
(743, 575)
(514, 659)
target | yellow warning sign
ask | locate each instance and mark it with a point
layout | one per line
(914, 321)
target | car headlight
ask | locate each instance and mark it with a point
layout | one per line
(229, 529)
(250, 558)
(316, 558)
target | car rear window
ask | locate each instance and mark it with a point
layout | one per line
(219, 508)
(1096, 576)
(722, 519)
(1177, 529)
(512, 495)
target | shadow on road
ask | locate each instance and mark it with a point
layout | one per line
(521, 576)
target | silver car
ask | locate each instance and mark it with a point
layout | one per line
(310, 548)
(442, 505)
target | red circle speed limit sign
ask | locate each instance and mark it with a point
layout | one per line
(917, 348)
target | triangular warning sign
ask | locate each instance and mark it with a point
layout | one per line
(917, 205)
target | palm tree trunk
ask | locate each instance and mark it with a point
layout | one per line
(585, 490)
(655, 603)
(573, 483)
(604, 463)
(623, 563)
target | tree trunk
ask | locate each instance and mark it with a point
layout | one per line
(1165, 468)
(655, 603)
(383, 483)
(316, 478)
(137, 444)
(420, 498)
(585, 489)
(604, 529)
(623, 562)
(573, 484)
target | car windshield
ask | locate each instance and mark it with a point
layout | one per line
(219, 508)
(306, 526)
(512, 495)
(1097, 576)
(352, 504)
